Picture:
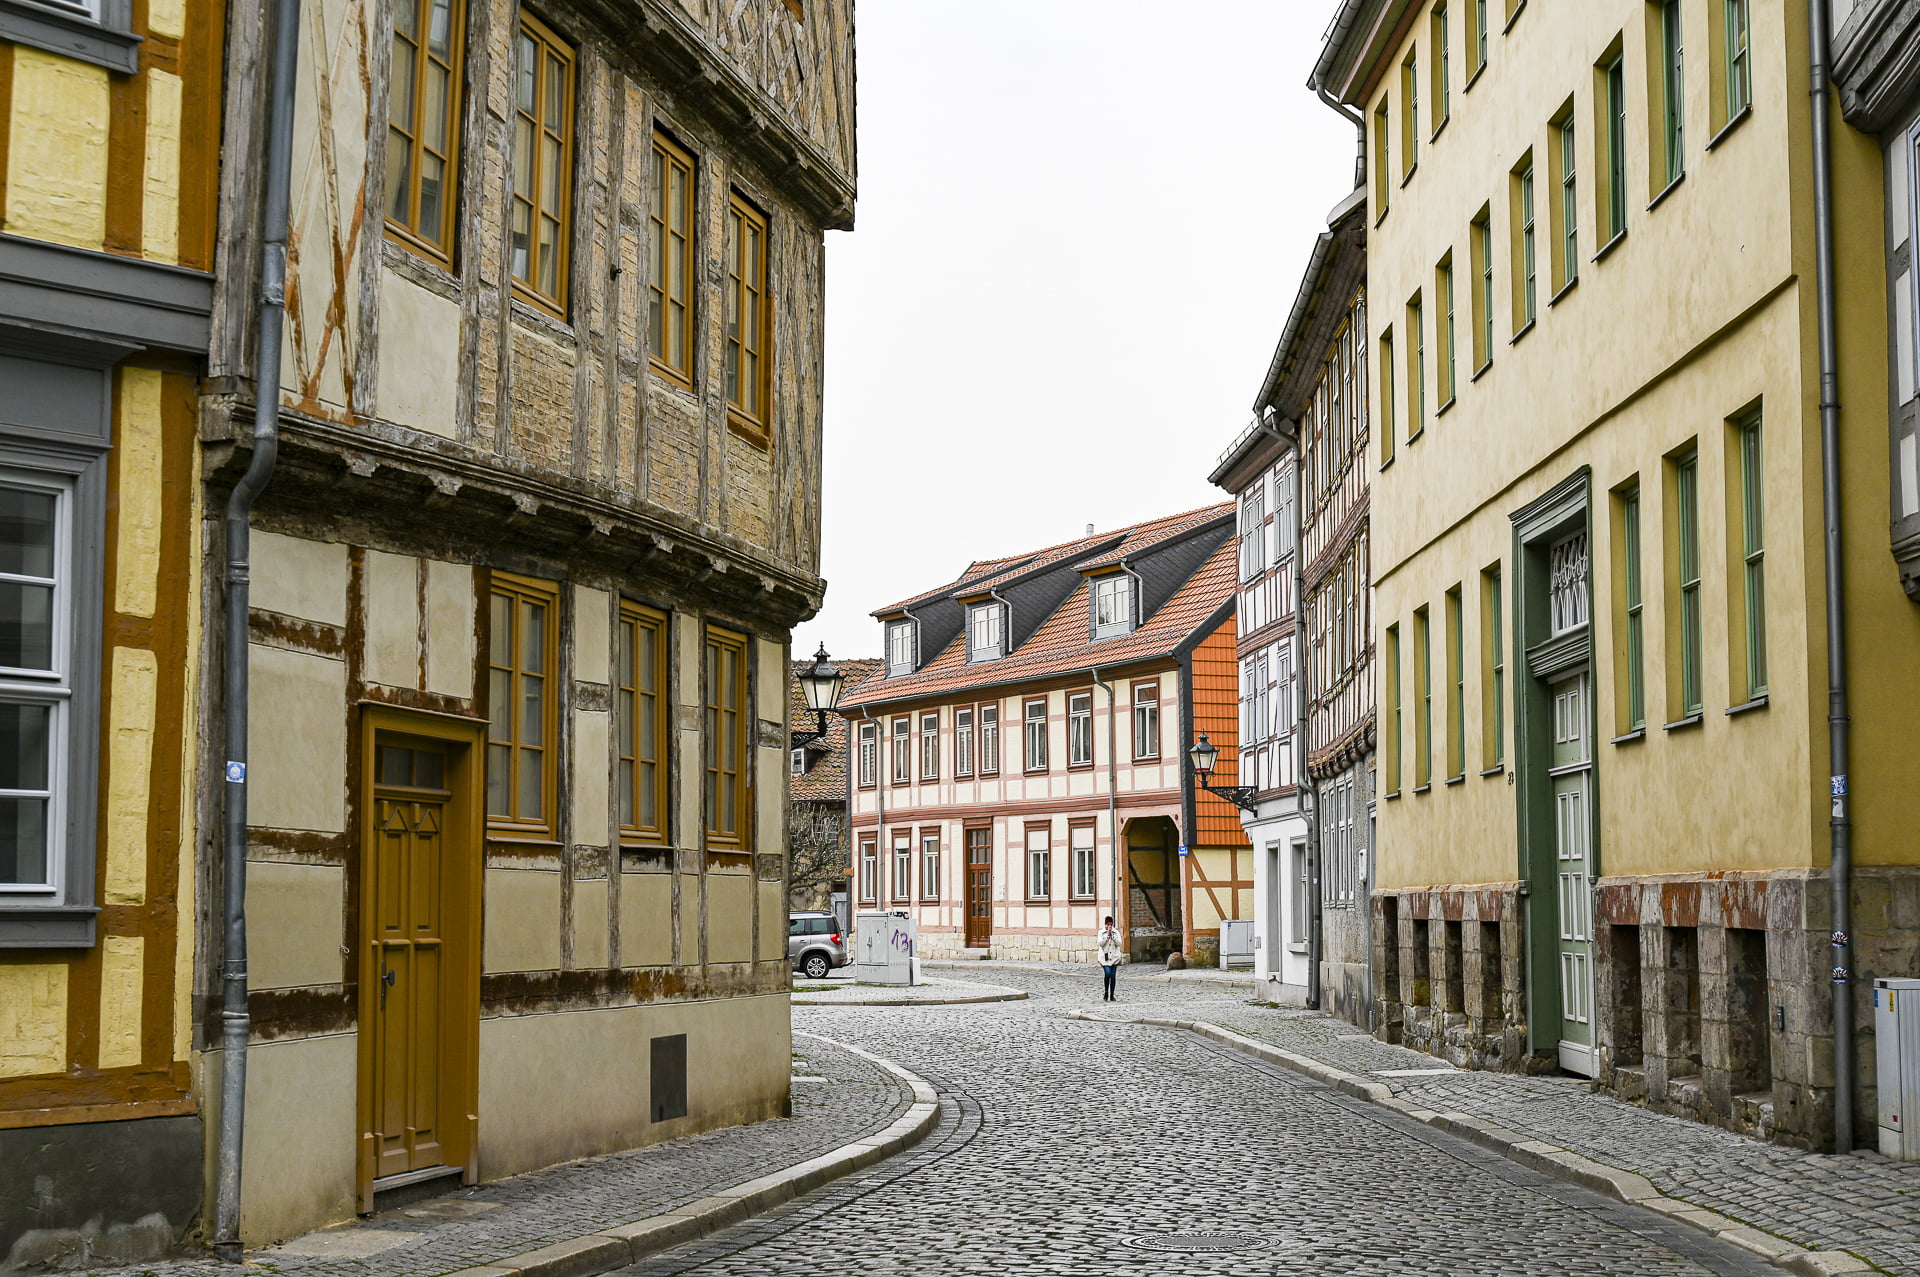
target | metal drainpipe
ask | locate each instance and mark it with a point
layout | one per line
(235, 1023)
(1113, 796)
(1305, 799)
(1189, 821)
(879, 812)
(1359, 126)
(1839, 722)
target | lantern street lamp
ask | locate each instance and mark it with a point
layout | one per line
(821, 685)
(1202, 758)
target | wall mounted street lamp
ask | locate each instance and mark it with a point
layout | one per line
(821, 685)
(1201, 758)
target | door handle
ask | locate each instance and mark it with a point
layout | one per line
(386, 982)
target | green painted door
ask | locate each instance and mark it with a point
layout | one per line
(1572, 772)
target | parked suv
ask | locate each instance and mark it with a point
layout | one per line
(815, 944)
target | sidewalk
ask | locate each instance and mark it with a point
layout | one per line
(1146, 972)
(1864, 1204)
(931, 991)
(850, 1110)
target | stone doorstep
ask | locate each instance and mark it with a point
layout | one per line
(1549, 1159)
(625, 1244)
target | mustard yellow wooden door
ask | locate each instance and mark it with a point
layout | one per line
(407, 957)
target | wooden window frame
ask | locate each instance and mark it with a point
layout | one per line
(1610, 144)
(406, 230)
(1027, 876)
(1091, 827)
(1150, 705)
(511, 824)
(930, 864)
(1480, 261)
(1479, 34)
(1416, 326)
(1443, 297)
(1410, 114)
(1493, 649)
(930, 745)
(550, 43)
(1074, 764)
(963, 741)
(1440, 68)
(1027, 738)
(901, 733)
(1422, 699)
(1686, 695)
(1630, 615)
(1456, 684)
(1382, 161)
(1391, 647)
(1746, 547)
(1666, 74)
(1736, 25)
(628, 683)
(1563, 214)
(751, 421)
(1526, 245)
(670, 157)
(735, 772)
(986, 709)
(1385, 363)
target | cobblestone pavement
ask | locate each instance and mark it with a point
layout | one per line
(930, 989)
(1863, 1203)
(1069, 1147)
(837, 1098)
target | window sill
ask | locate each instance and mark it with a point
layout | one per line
(1665, 191)
(1297, 946)
(1381, 216)
(1423, 789)
(1758, 702)
(1391, 794)
(1499, 769)
(1438, 129)
(1682, 724)
(1486, 364)
(1384, 464)
(754, 432)
(1739, 118)
(1459, 779)
(1474, 78)
(1408, 175)
(1565, 288)
(1415, 436)
(70, 36)
(535, 311)
(1514, 17)
(1609, 246)
(1522, 331)
(672, 376)
(1628, 738)
(1441, 411)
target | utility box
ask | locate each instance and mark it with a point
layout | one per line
(1896, 1030)
(883, 948)
(1236, 942)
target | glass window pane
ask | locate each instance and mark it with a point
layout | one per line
(24, 732)
(406, 19)
(433, 171)
(399, 174)
(522, 239)
(500, 638)
(434, 125)
(440, 30)
(391, 766)
(500, 705)
(549, 281)
(527, 69)
(23, 840)
(532, 762)
(649, 817)
(427, 768)
(533, 617)
(499, 775)
(26, 532)
(26, 625)
(532, 709)
(556, 93)
(523, 157)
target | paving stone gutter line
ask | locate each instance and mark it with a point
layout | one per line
(803, 1001)
(1549, 1159)
(625, 1244)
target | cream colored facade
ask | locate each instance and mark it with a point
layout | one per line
(1665, 887)
(522, 597)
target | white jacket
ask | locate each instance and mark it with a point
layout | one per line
(1109, 946)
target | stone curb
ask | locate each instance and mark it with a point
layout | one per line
(1233, 980)
(1548, 1159)
(625, 1244)
(907, 1002)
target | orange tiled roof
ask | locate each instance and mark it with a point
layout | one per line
(1064, 644)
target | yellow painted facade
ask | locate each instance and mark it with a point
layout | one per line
(57, 150)
(1640, 357)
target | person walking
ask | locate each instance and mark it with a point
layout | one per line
(1109, 944)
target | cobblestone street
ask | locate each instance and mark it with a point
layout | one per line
(1070, 1147)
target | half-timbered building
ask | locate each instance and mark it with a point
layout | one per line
(545, 512)
(1315, 389)
(1018, 759)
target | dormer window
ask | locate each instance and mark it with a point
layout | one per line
(899, 648)
(1113, 605)
(986, 632)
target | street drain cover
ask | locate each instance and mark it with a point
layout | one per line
(1194, 1243)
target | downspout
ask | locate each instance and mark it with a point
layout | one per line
(1359, 127)
(1839, 723)
(235, 1023)
(1113, 795)
(1184, 663)
(1306, 799)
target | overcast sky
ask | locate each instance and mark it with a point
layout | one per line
(1081, 225)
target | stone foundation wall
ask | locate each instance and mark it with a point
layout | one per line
(1449, 974)
(1008, 946)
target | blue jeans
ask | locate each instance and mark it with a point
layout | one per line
(1112, 970)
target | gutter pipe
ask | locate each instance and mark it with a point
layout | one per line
(1839, 721)
(235, 1022)
(1113, 796)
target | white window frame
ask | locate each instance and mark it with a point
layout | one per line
(1253, 529)
(870, 870)
(50, 687)
(900, 648)
(902, 866)
(929, 865)
(1039, 863)
(797, 762)
(902, 748)
(962, 741)
(1033, 737)
(1080, 729)
(869, 755)
(986, 632)
(989, 740)
(1115, 598)
(1146, 720)
(930, 745)
(1080, 844)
